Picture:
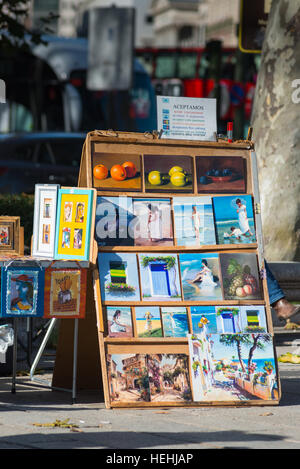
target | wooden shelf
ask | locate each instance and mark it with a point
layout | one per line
(181, 249)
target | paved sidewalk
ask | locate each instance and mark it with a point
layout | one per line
(269, 427)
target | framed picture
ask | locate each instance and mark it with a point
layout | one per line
(119, 321)
(159, 277)
(75, 222)
(116, 171)
(175, 321)
(44, 220)
(65, 292)
(234, 219)
(245, 362)
(114, 224)
(22, 290)
(221, 174)
(194, 221)
(168, 173)
(119, 280)
(148, 321)
(153, 222)
(240, 276)
(10, 235)
(200, 276)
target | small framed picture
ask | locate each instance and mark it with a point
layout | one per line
(75, 222)
(44, 220)
(10, 235)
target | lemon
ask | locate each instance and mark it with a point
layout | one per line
(154, 177)
(176, 169)
(179, 179)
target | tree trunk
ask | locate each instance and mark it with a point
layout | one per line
(276, 131)
(239, 351)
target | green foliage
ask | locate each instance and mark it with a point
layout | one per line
(19, 205)
(169, 260)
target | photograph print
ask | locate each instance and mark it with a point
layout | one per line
(200, 276)
(221, 174)
(168, 173)
(194, 221)
(159, 277)
(234, 219)
(241, 280)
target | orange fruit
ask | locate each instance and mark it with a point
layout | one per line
(118, 173)
(100, 171)
(130, 169)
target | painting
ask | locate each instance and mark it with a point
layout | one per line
(114, 224)
(44, 220)
(240, 276)
(233, 367)
(9, 235)
(128, 379)
(116, 172)
(65, 291)
(234, 219)
(200, 276)
(169, 378)
(153, 222)
(148, 321)
(168, 173)
(194, 221)
(119, 321)
(204, 319)
(75, 209)
(118, 274)
(22, 291)
(221, 174)
(175, 321)
(253, 318)
(159, 277)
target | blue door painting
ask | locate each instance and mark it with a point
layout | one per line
(160, 282)
(228, 323)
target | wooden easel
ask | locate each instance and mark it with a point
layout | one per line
(93, 342)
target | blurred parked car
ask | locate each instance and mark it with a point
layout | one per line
(31, 158)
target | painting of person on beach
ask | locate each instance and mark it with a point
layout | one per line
(119, 321)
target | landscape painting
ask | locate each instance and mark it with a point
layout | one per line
(233, 367)
(175, 321)
(234, 219)
(119, 321)
(148, 321)
(240, 276)
(168, 173)
(152, 222)
(200, 276)
(194, 221)
(118, 274)
(221, 174)
(159, 277)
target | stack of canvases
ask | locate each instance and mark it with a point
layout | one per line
(52, 282)
(164, 278)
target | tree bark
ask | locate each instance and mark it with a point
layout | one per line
(276, 131)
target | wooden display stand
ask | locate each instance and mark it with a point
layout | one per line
(110, 143)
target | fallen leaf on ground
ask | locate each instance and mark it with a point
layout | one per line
(266, 414)
(57, 423)
(289, 358)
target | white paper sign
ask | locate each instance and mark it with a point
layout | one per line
(187, 118)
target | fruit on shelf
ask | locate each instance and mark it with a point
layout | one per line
(100, 171)
(118, 173)
(130, 169)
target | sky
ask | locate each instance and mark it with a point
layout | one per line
(225, 207)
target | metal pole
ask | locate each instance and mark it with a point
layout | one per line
(15, 349)
(42, 347)
(75, 360)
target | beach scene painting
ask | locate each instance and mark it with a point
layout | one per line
(204, 318)
(148, 321)
(234, 219)
(118, 274)
(175, 321)
(240, 276)
(119, 321)
(200, 276)
(159, 277)
(194, 221)
(152, 222)
(233, 367)
(114, 221)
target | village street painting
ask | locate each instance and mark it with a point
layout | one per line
(234, 219)
(200, 276)
(194, 221)
(233, 367)
(145, 378)
(159, 277)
